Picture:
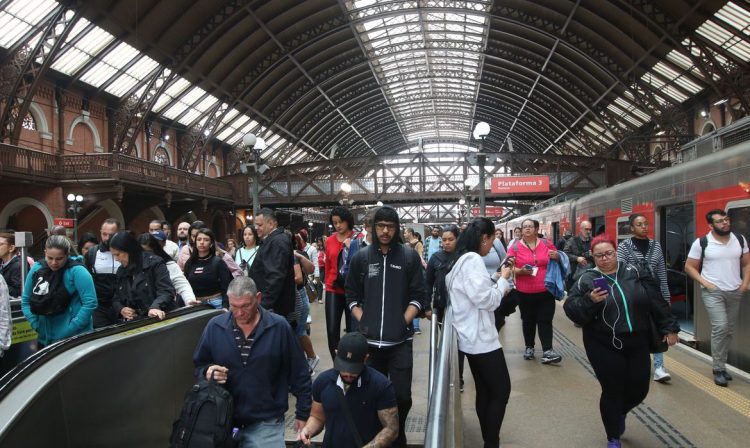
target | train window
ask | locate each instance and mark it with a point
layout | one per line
(739, 217)
(597, 224)
(623, 229)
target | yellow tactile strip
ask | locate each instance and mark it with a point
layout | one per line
(723, 394)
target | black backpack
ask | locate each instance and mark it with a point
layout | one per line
(206, 418)
(49, 296)
(440, 289)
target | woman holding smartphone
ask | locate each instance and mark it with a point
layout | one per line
(612, 304)
(532, 254)
(474, 297)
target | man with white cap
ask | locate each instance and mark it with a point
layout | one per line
(355, 403)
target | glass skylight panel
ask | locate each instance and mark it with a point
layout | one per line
(121, 85)
(734, 15)
(172, 91)
(230, 116)
(725, 39)
(189, 117)
(99, 74)
(20, 16)
(85, 49)
(206, 103)
(177, 108)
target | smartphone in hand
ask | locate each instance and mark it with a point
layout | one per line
(601, 283)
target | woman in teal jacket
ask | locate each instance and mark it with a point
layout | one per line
(59, 255)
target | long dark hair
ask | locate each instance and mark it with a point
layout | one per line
(211, 250)
(470, 239)
(255, 235)
(148, 240)
(124, 241)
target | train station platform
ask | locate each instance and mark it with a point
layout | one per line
(558, 405)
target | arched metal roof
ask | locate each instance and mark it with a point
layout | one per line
(327, 78)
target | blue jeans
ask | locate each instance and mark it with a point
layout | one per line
(216, 302)
(658, 360)
(301, 329)
(264, 434)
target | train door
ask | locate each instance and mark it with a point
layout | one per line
(678, 233)
(739, 217)
(555, 232)
(597, 225)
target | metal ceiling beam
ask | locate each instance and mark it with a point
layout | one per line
(355, 33)
(30, 66)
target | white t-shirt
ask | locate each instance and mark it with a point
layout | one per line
(721, 262)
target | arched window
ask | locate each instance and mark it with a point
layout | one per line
(213, 170)
(29, 122)
(161, 156)
(708, 127)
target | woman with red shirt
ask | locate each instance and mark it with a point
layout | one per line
(536, 303)
(342, 221)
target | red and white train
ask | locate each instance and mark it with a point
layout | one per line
(675, 200)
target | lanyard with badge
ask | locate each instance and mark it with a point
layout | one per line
(535, 268)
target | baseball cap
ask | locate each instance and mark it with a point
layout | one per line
(159, 235)
(351, 353)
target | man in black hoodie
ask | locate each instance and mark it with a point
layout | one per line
(103, 268)
(385, 292)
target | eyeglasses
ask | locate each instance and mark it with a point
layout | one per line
(385, 226)
(721, 221)
(603, 255)
(585, 228)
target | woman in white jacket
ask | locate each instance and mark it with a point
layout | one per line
(153, 242)
(474, 296)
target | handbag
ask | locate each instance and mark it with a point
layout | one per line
(656, 343)
(311, 293)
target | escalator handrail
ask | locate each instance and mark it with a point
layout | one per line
(11, 379)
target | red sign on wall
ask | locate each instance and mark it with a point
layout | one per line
(65, 222)
(520, 184)
(490, 211)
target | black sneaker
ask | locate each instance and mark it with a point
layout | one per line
(550, 357)
(727, 376)
(529, 353)
(720, 379)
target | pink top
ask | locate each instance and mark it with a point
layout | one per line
(527, 283)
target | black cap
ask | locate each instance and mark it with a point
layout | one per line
(351, 353)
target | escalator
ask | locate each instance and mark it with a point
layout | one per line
(120, 386)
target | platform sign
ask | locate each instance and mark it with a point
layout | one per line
(65, 222)
(490, 211)
(520, 184)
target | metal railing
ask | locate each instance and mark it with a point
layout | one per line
(39, 165)
(444, 416)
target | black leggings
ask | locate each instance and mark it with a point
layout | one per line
(623, 374)
(492, 384)
(335, 307)
(537, 310)
(397, 363)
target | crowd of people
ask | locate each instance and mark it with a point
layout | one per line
(380, 281)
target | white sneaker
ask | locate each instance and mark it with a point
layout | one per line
(661, 375)
(313, 363)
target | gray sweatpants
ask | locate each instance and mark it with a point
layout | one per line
(723, 309)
